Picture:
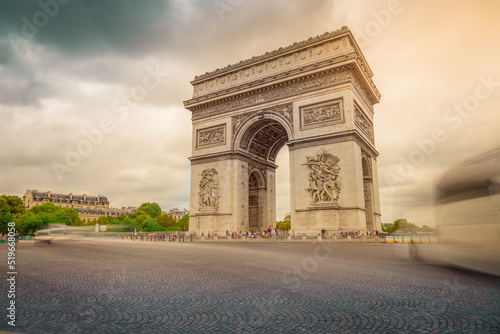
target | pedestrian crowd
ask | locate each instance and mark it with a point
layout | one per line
(153, 236)
(270, 234)
(356, 234)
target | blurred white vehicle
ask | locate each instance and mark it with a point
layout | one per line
(467, 211)
(53, 232)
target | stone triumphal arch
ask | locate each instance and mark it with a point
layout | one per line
(315, 96)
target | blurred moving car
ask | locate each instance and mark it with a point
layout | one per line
(53, 232)
(467, 212)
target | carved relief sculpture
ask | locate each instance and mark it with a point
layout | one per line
(209, 189)
(322, 113)
(212, 136)
(284, 109)
(363, 122)
(239, 120)
(323, 173)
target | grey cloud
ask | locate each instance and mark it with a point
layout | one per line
(82, 28)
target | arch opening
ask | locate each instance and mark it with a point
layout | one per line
(283, 206)
(256, 201)
(262, 138)
(368, 193)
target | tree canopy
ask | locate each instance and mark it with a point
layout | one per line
(403, 225)
(283, 225)
(47, 213)
(10, 208)
(152, 209)
(147, 218)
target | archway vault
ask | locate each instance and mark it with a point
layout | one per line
(262, 136)
(315, 96)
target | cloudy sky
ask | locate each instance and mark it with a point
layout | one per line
(67, 66)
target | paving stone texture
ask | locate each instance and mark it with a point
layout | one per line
(134, 287)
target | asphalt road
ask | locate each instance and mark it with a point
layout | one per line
(138, 287)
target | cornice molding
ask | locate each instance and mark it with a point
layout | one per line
(299, 58)
(293, 87)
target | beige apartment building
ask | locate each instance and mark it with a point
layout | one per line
(177, 214)
(90, 208)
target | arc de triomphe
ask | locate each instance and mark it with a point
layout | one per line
(315, 96)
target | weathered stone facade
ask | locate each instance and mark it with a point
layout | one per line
(315, 96)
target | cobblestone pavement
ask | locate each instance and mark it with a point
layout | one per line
(134, 287)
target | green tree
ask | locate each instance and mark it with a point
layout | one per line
(5, 215)
(140, 217)
(46, 208)
(121, 217)
(183, 223)
(29, 223)
(166, 221)
(151, 225)
(16, 205)
(56, 214)
(403, 225)
(115, 220)
(283, 225)
(67, 216)
(129, 221)
(104, 220)
(152, 209)
(393, 227)
(45, 214)
(10, 208)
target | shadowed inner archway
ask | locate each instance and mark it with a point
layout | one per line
(264, 139)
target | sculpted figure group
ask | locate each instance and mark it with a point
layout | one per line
(322, 114)
(323, 173)
(209, 189)
(208, 137)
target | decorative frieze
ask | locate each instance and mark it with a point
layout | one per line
(209, 189)
(328, 79)
(363, 122)
(321, 114)
(323, 173)
(213, 136)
